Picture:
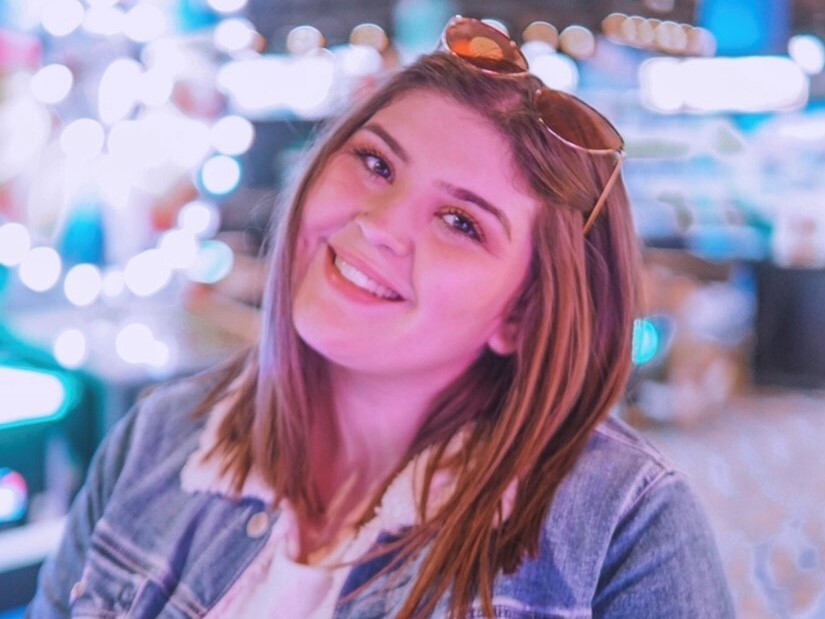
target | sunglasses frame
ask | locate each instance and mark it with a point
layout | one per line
(519, 67)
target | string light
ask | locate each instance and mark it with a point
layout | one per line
(577, 41)
(668, 37)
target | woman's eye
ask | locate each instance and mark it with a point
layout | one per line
(375, 164)
(462, 224)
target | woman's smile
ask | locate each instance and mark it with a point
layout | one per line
(361, 280)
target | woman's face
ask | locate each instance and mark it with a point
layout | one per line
(413, 242)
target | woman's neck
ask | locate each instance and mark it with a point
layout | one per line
(375, 422)
(356, 449)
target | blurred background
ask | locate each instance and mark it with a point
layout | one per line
(144, 144)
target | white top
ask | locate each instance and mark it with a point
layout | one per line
(275, 584)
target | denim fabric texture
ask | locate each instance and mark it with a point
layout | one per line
(625, 536)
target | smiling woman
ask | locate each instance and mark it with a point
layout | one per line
(402, 214)
(424, 427)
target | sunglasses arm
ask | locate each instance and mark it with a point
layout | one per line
(594, 213)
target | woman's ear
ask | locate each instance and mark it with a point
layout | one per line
(505, 339)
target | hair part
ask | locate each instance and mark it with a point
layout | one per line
(530, 414)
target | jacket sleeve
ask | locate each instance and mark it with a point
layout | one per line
(64, 568)
(663, 560)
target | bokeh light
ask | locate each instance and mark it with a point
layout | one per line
(220, 174)
(25, 125)
(136, 344)
(577, 41)
(62, 17)
(52, 83)
(15, 242)
(234, 35)
(145, 22)
(180, 247)
(232, 135)
(82, 139)
(199, 218)
(808, 51)
(40, 269)
(29, 394)
(118, 90)
(114, 283)
(13, 495)
(147, 273)
(304, 39)
(645, 341)
(83, 284)
(556, 71)
(70, 348)
(155, 86)
(542, 31)
(227, 6)
(214, 262)
(105, 21)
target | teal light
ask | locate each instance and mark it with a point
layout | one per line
(214, 262)
(14, 496)
(646, 341)
(34, 395)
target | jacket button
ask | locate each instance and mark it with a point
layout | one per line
(77, 590)
(257, 525)
(126, 596)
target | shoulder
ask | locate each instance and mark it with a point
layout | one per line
(159, 429)
(626, 533)
(619, 465)
(615, 474)
(166, 414)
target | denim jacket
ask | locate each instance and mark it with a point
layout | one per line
(625, 536)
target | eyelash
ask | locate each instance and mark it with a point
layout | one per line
(364, 154)
(474, 233)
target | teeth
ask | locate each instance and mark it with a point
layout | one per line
(363, 281)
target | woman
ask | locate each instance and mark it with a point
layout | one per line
(424, 427)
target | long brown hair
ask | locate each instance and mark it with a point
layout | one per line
(532, 411)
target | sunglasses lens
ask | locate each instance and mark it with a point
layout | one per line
(576, 122)
(484, 47)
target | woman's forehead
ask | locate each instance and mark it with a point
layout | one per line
(438, 142)
(443, 130)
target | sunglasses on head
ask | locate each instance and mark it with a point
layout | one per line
(566, 117)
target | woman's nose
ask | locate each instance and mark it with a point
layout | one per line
(388, 224)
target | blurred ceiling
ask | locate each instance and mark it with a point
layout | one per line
(335, 18)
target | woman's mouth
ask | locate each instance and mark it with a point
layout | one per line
(364, 281)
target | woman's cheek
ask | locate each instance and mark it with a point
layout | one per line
(301, 260)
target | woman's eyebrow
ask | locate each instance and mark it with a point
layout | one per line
(459, 193)
(382, 133)
(465, 195)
